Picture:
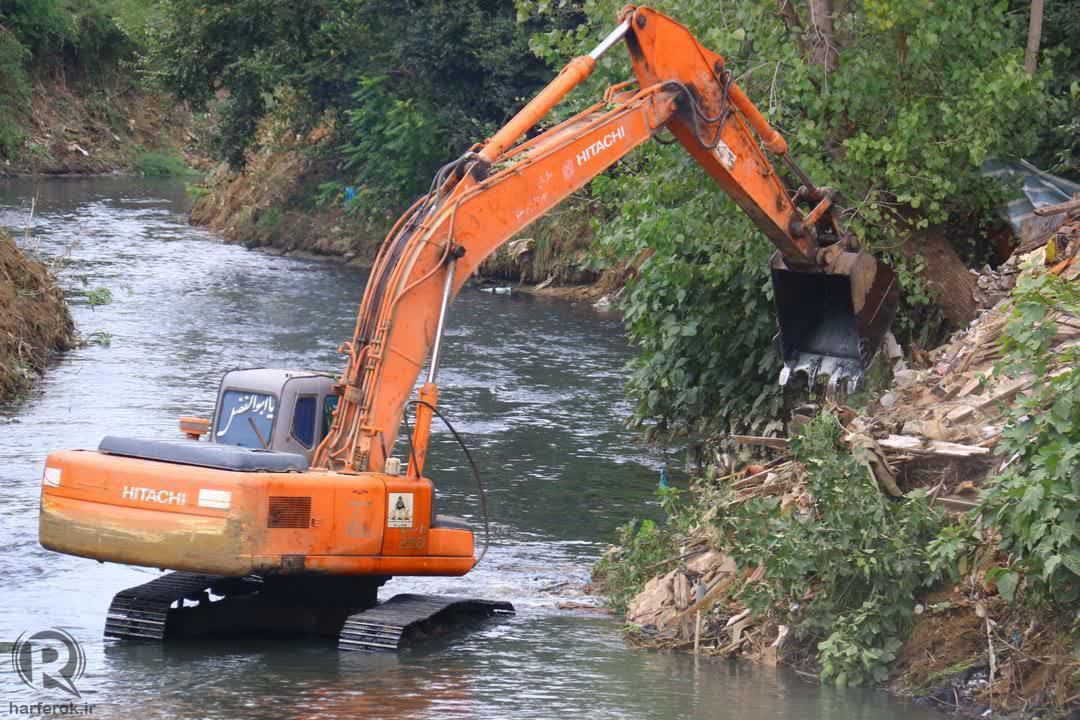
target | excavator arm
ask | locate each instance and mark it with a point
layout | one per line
(481, 200)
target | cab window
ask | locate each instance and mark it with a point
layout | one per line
(329, 405)
(303, 422)
(245, 419)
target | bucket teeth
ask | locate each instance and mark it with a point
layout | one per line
(839, 373)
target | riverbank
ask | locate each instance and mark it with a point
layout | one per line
(80, 128)
(920, 538)
(276, 204)
(34, 319)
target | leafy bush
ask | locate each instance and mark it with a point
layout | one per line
(700, 309)
(1035, 503)
(413, 83)
(641, 545)
(78, 34)
(847, 570)
(160, 165)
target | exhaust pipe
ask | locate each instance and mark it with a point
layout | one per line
(833, 319)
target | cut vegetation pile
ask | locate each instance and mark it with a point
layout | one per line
(34, 319)
(929, 540)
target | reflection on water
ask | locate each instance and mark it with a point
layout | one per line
(535, 388)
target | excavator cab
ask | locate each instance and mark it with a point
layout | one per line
(271, 409)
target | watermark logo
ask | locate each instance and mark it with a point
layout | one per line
(48, 660)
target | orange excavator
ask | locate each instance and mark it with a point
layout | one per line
(294, 511)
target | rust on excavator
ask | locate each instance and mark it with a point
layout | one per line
(302, 531)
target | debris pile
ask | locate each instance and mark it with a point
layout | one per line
(936, 428)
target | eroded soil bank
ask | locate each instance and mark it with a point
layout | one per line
(276, 204)
(76, 128)
(34, 319)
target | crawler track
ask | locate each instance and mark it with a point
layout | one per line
(141, 612)
(188, 605)
(404, 619)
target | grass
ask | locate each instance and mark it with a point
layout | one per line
(161, 165)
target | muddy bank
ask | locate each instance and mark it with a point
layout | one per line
(34, 319)
(274, 204)
(875, 541)
(82, 128)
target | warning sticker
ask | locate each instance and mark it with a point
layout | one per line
(399, 510)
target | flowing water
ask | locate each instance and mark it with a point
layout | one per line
(534, 386)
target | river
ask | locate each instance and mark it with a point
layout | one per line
(535, 387)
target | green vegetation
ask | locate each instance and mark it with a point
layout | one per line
(1035, 503)
(98, 297)
(161, 165)
(848, 572)
(406, 86)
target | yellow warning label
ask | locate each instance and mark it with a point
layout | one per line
(399, 510)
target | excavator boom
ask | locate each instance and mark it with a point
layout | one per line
(835, 305)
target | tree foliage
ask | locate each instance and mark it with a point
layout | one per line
(411, 84)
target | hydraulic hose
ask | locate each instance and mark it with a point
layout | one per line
(472, 466)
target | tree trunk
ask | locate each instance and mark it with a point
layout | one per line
(821, 37)
(817, 43)
(1031, 56)
(952, 286)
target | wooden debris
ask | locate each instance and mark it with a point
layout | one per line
(1059, 208)
(922, 446)
(958, 504)
(773, 442)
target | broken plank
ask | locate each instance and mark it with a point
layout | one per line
(957, 504)
(1002, 393)
(1059, 208)
(922, 446)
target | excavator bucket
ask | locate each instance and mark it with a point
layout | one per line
(832, 322)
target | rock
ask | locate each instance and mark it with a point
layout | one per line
(605, 303)
(888, 400)
(892, 348)
(905, 378)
